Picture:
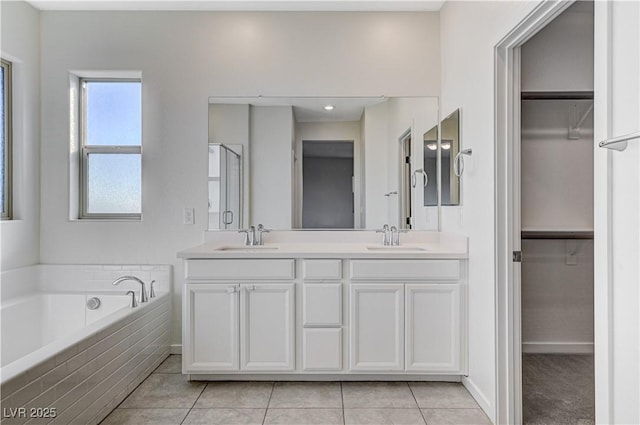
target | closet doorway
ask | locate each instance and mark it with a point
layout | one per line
(556, 220)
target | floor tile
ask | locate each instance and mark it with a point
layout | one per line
(442, 395)
(295, 395)
(304, 417)
(225, 416)
(455, 417)
(383, 417)
(173, 364)
(165, 391)
(235, 395)
(145, 416)
(377, 395)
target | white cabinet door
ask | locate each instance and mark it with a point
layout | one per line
(433, 325)
(211, 327)
(267, 332)
(376, 339)
(322, 349)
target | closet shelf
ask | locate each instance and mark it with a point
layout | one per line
(556, 95)
(556, 234)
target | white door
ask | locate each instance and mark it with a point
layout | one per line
(433, 324)
(617, 213)
(267, 330)
(211, 327)
(377, 327)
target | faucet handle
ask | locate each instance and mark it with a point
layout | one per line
(262, 229)
(152, 292)
(133, 303)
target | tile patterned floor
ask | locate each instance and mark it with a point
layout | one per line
(167, 397)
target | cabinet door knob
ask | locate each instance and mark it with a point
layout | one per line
(231, 289)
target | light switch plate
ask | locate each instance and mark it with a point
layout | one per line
(188, 216)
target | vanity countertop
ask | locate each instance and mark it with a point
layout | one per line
(423, 250)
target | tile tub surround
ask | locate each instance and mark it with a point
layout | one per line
(300, 403)
(89, 376)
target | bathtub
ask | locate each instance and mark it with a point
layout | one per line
(62, 362)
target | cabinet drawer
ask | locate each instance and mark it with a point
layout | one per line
(322, 269)
(322, 304)
(240, 269)
(405, 269)
(322, 349)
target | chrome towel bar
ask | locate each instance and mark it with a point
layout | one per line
(619, 143)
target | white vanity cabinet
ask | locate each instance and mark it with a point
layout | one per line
(245, 324)
(407, 315)
(324, 316)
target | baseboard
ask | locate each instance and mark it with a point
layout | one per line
(480, 398)
(176, 349)
(557, 347)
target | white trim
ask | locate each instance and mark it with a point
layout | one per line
(479, 396)
(342, 377)
(603, 255)
(175, 349)
(508, 344)
(557, 347)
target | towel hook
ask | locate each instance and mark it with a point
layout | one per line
(458, 162)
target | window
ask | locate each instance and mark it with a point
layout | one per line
(111, 156)
(6, 141)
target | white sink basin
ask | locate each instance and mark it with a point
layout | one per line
(395, 248)
(247, 248)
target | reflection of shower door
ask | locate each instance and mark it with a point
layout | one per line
(405, 185)
(225, 189)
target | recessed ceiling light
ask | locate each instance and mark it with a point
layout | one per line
(446, 146)
(328, 108)
(432, 146)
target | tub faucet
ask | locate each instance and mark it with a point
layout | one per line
(143, 290)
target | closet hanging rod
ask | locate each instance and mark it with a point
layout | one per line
(556, 95)
(619, 143)
(556, 234)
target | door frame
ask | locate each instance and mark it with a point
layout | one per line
(507, 206)
(356, 182)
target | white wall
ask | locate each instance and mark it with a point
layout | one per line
(470, 31)
(271, 160)
(184, 59)
(20, 237)
(560, 57)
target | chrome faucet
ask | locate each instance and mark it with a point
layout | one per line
(386, 241)
(260, 230)
(249, 236)
(152, 292)
(143, 290)
(395, 235)
(133, 299)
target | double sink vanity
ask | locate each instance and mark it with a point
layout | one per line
(325, 305)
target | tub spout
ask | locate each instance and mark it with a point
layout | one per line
(143, 290)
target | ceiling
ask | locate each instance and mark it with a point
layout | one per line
(242, 5)
(310, 109)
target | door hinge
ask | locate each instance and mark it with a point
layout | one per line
(517, 256)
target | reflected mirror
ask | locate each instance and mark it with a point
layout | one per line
(431, 166)
(321, 163)
(450, 143)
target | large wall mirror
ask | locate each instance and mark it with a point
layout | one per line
(322, 163)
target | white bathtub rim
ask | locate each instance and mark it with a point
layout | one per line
(49, 352)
